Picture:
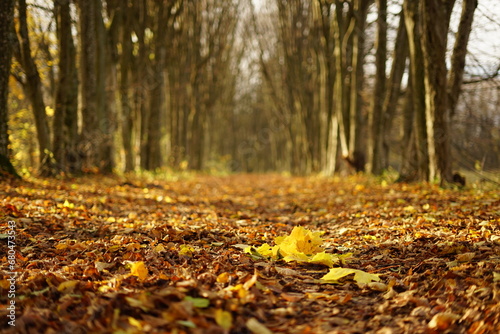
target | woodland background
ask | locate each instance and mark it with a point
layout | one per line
(218, 121)
(299, 86)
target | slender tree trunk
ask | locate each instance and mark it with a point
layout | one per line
(6, 18)
(142, 72)
(339, 87)
(125, 94)
(106, 86)
(90, 135)
(413, 28)
(456, 72)
(394, 87)
(157, 100)
(409, 157)
(375, 120)
(33, 87)
(356, 155)
(66, 100)
(435, 19)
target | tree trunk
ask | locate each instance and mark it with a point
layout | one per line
(6, 18)
(157, 99)
(375, 120)
(339, 87)
(409, 156)
(435, 19)
(394, 87)
(413, 28)
(66, 99)
(33, 86)
(357, 83)
(456, 72)
(90, 136)
(125, 92)
(106, 86)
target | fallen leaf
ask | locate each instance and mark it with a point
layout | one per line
(465, 257)
(139, 269)
(223, 278)
(198, 302)
(223, 319)
(256, 327)
(186, 323)
(288, 272)
(301, 245)
(67, 286)
(377, 286)
(186, 250)
(100, 266)
(442, 321)
(292, 296)
(360, 276)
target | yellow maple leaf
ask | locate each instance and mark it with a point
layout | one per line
(139, 269)
(300, 240)
(298, 257)
(361, 277)
(223, 319)
(265, 250)
(301, 245)
(325, 258)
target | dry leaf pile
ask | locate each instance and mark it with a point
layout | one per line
(250, 254)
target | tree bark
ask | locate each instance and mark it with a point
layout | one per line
(375, 121)
(6, 19)
(456, 71)
(339, 87)
(106, 86)
(435, 19)
(66, 100)
(157, 100)
(33, 86)
(413, 28)
(399, 57)
(357, 83)
(90, 136)
(125, 92)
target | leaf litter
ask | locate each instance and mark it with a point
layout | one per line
(251, 254)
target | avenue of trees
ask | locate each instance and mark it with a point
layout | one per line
(306, 86)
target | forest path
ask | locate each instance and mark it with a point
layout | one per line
(100, 254)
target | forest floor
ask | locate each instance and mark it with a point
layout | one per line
(116, 255)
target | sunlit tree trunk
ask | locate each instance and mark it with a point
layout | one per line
(295, 28)
(420, 169)
(323, 11)
(349, 22)
(339, 90)
(435, 19)
(33, 86)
